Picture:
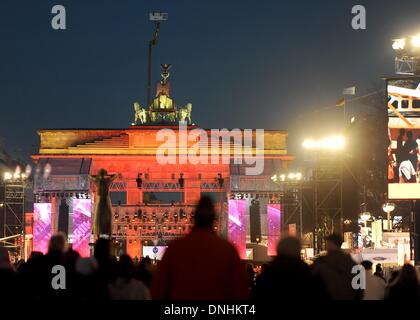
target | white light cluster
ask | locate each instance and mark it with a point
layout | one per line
(290, 176)
(401, 44)
(17, 175)
(328, 143)
(398, 44)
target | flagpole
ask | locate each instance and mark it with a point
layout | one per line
(342, 174)
(344, 112)
(348, 91)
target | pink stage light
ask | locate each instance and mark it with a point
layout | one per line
(237, 226)
(274, 227)
(42, 227)
(82, 212)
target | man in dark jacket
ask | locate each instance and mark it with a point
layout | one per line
(288, 277)
(335, 270)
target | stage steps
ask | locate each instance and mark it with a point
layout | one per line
(115, 142)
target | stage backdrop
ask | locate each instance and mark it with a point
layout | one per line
(237, 225)
(82, 209)
(273, 227)
(42, 226)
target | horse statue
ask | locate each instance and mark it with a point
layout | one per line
(140, 115)
(185, 113)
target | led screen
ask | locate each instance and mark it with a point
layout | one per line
(42, 227)
(403, 138)
(237, 225)
(82, 209)
(274, 228)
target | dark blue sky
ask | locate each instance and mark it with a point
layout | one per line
(247, 64)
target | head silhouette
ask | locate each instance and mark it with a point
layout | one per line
(205, 213)
(289, 246)
(102, 250)
(407, 274)
(4, 257)
(58, 242)
(126, 267)
(366, 264)
(333, 242)
(409, 135)
(102, 172)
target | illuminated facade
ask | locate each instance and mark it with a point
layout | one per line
(152, 203)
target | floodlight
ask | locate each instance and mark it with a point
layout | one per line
(415, 41)
(28, 170)
(158, 16)
(47, 168)
(328, 143)
(398, 44)
(365, 216)
(388, 207)
(7, 176)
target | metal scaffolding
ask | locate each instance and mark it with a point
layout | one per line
(328, 194)
(14, 213)
(291, 201)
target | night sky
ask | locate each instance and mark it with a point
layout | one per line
(242, 64)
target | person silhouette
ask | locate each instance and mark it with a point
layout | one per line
(201, 265)
(411, 149)
(288, 277)
(405, 286)
(335, 270)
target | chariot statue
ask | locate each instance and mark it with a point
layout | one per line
(162, 109)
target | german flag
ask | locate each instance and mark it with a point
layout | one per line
(340, 103)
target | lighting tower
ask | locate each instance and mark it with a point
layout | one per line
(328, 191)
(407, 59)
(14, 208)
(157, 18)
(388, 207)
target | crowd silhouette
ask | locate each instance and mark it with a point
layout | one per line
(200, 266)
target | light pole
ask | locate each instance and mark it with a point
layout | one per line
(157, 18)
(365, 217)
(388, 207)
